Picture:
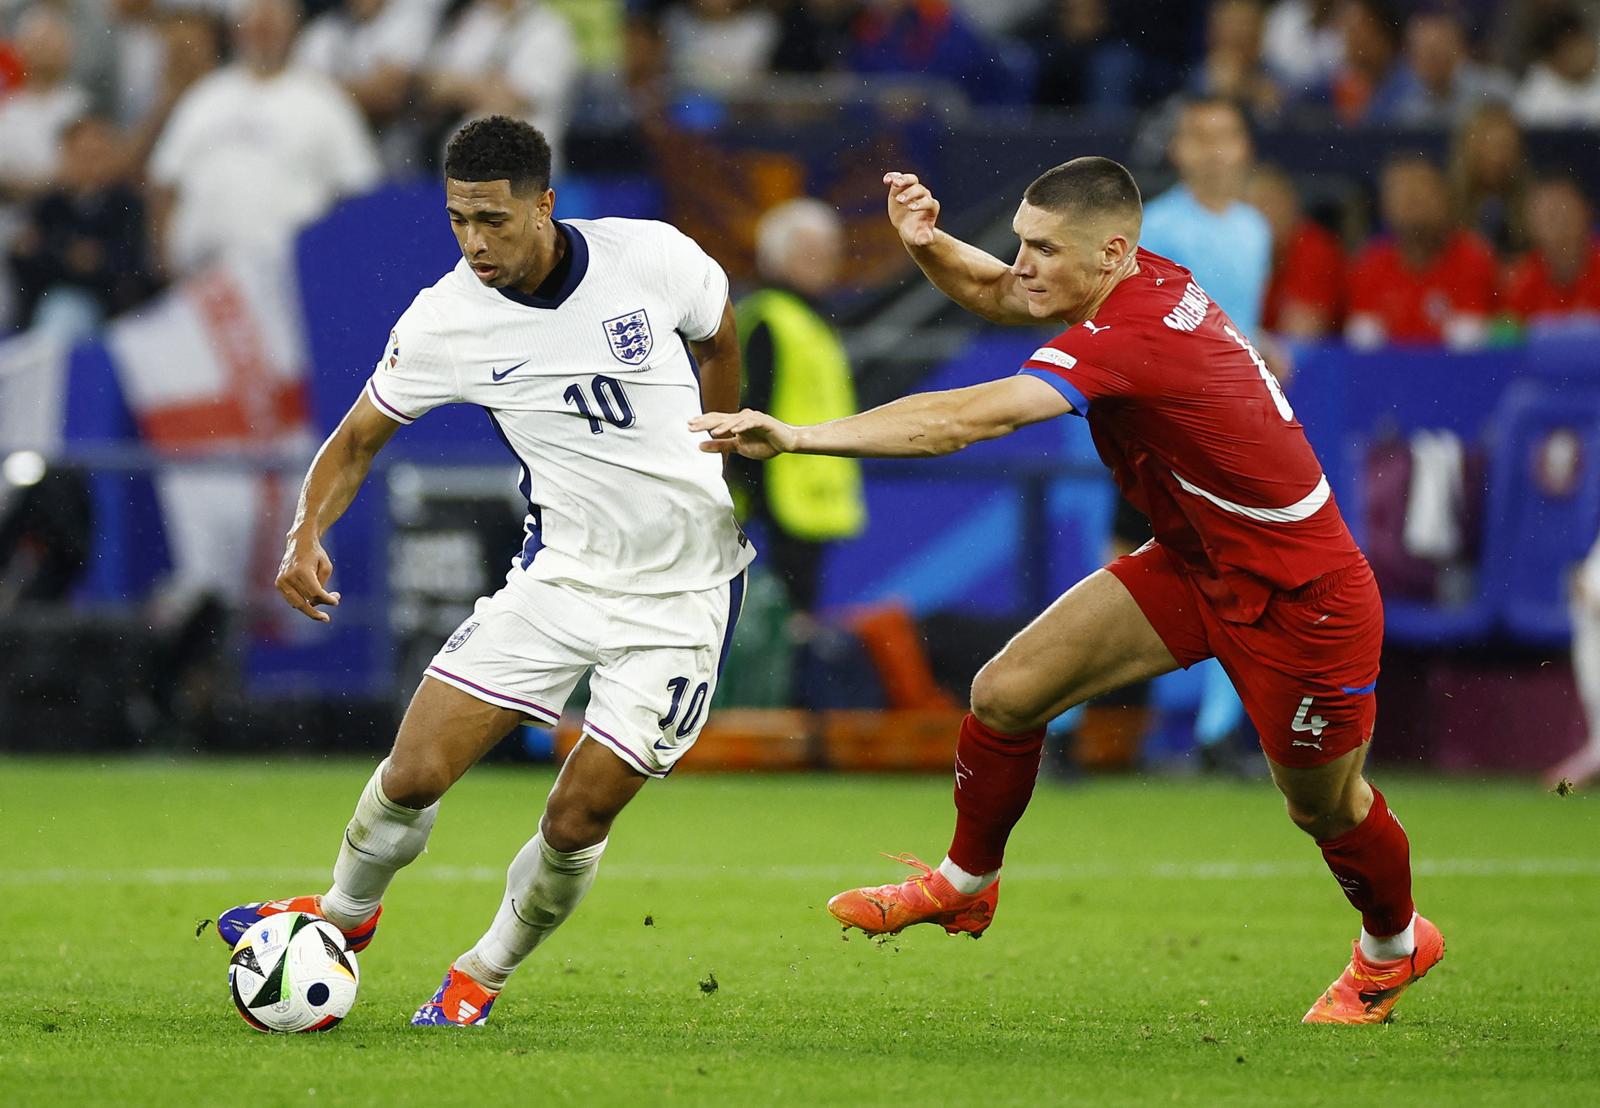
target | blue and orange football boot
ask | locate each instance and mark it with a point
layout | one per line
(460, 1002)
(232, 924)
(927, 897)
(1366, 991)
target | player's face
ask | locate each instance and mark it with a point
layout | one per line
(502, 235)
(1063, 269)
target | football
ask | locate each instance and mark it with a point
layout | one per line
(292, 972)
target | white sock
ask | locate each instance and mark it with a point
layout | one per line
(964, 882)
(381, 838)
(1390, 947)
(543, 888)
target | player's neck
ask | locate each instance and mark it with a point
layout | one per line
(1129, 266)
(546, 261)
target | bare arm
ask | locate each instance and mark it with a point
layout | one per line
(920, 425)
(720, 371)
(973, 278)
(335, 476)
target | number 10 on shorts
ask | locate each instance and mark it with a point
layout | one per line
(691, 711)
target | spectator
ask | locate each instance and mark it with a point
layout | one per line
(928, 38)
(795, 363)
(34, 115)
(1232, 68)
(375, 49)
(1000, 17)
(1439, 84)
(1305, 293)
(255, 150)
(1083, 62)
(1560, 276)
(138, 60)
(1203, 222)
(813, 35)
(1371, 30)
(191, 47)
(81, 253)
(719, 45)
(1489, 175)
(1302, 43)
(505, 57)
(1562, 86)
(1428, 280)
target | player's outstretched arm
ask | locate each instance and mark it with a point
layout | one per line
(921, 425)
(973, 278)
(331, 484)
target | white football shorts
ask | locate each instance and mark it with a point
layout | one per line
(655, 659)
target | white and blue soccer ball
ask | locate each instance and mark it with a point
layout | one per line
(293, 972)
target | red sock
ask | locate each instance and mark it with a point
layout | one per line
(995, 773)
(1372, 863)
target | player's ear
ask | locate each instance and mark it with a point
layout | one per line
(546, 204)
(1114, 250)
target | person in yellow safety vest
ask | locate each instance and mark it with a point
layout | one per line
(795, 367)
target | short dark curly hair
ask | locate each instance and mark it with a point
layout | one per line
(499, 148)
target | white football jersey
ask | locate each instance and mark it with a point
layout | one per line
(592, 388)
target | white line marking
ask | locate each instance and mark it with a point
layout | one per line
(688, 871)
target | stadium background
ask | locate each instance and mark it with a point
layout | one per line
(127, 630)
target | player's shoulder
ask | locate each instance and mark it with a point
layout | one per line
(624, 229)
(1153, 291)
(436, 304)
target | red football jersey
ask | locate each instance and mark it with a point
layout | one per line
(1309, 272)
(1531, 290)
(1414, 305)
(1200, 439)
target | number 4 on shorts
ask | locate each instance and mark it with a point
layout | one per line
(1315, 724)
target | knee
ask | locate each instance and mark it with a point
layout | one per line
(1328, 818)
(570, 825)
(417, 780)
(997, 702)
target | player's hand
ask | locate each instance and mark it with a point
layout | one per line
(302, 578)
(912, 208)
(751, 433)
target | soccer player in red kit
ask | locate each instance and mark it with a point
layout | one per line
(1251, 560)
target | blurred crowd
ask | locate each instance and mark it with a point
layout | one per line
(141, 139)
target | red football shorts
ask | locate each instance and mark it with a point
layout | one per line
(1307, 670)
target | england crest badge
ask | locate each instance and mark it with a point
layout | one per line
(629, 336)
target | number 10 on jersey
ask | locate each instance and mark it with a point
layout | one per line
(609, 397)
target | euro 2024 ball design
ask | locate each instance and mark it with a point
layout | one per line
(292, 972)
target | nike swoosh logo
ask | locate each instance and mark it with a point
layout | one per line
(509, 372)
(663, 744)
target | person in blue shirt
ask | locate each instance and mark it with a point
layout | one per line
(1203, 223)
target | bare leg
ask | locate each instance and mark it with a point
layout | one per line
(1090, 641)
(1363, 844)
(551, 874)
(443, 733)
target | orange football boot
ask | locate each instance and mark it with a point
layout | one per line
(1366, 991)
(460, 1002)
(926, 898)
(232, 924)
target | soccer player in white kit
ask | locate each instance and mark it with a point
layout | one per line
(574, 336)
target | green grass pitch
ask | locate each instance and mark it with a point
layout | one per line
(1157, 943)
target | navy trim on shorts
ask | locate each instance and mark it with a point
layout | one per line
(1362, 691)
(735, 608)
